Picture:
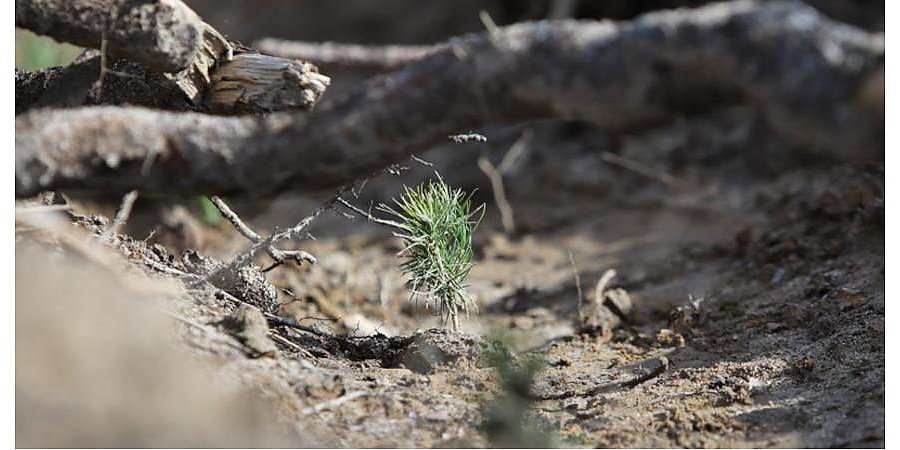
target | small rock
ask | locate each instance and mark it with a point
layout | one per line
(849, 297)
(668, 338)
(249, 327)
(684, 317)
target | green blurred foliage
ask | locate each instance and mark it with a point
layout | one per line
(203, 208)
(507, 419)
(35, 52)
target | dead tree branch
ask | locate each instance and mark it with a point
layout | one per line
(618, 76)
(216, 75)
(122, 214)
(495, 175)
(249, 83)
(280, 256)
(296, 231)
(374, 58)
(163, 35)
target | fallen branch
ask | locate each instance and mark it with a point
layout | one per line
(122, 214)
(217, 75)
(280, 256)
(618, 76)
(328, 55)
(163, 35)
(268, 244)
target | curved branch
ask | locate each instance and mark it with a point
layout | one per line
(803, 71)
(164, 35)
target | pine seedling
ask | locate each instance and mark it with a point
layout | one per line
(436, 226)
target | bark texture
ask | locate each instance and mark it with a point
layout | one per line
(127, 83)
(249, 83)
(805, 72)
(164, 35)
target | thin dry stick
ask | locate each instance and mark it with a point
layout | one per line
(577, 287)
(41, 208)
(280, 256)
(495, 175)
(235, 220)
(287, 342)
(496, 178)
(293, 232)
(488, 22)
(104, 56)
(515, 152)
(335, 54)
(602, 283)
(369, 216)
(122, 214)
(643, 169)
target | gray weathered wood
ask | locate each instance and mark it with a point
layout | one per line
(805, 72)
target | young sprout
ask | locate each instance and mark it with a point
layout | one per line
(436, 227)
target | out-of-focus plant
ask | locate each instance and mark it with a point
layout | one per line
(507, 420)
(35, 52)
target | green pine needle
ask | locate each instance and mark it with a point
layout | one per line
(436, 227)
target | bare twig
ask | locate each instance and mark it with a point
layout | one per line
(602, 283)
(235, 220)
(122, 214)
(642, 169)
(333, 54)
(287, 342)
(421, 161)
(280, 256)
(495, 175)
(577, 287)
(368, 216)
(41, 209)
(515, 152)
(488, 22)
(268, 243)
(525, 71)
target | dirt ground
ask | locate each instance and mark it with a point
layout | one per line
(756, 274)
